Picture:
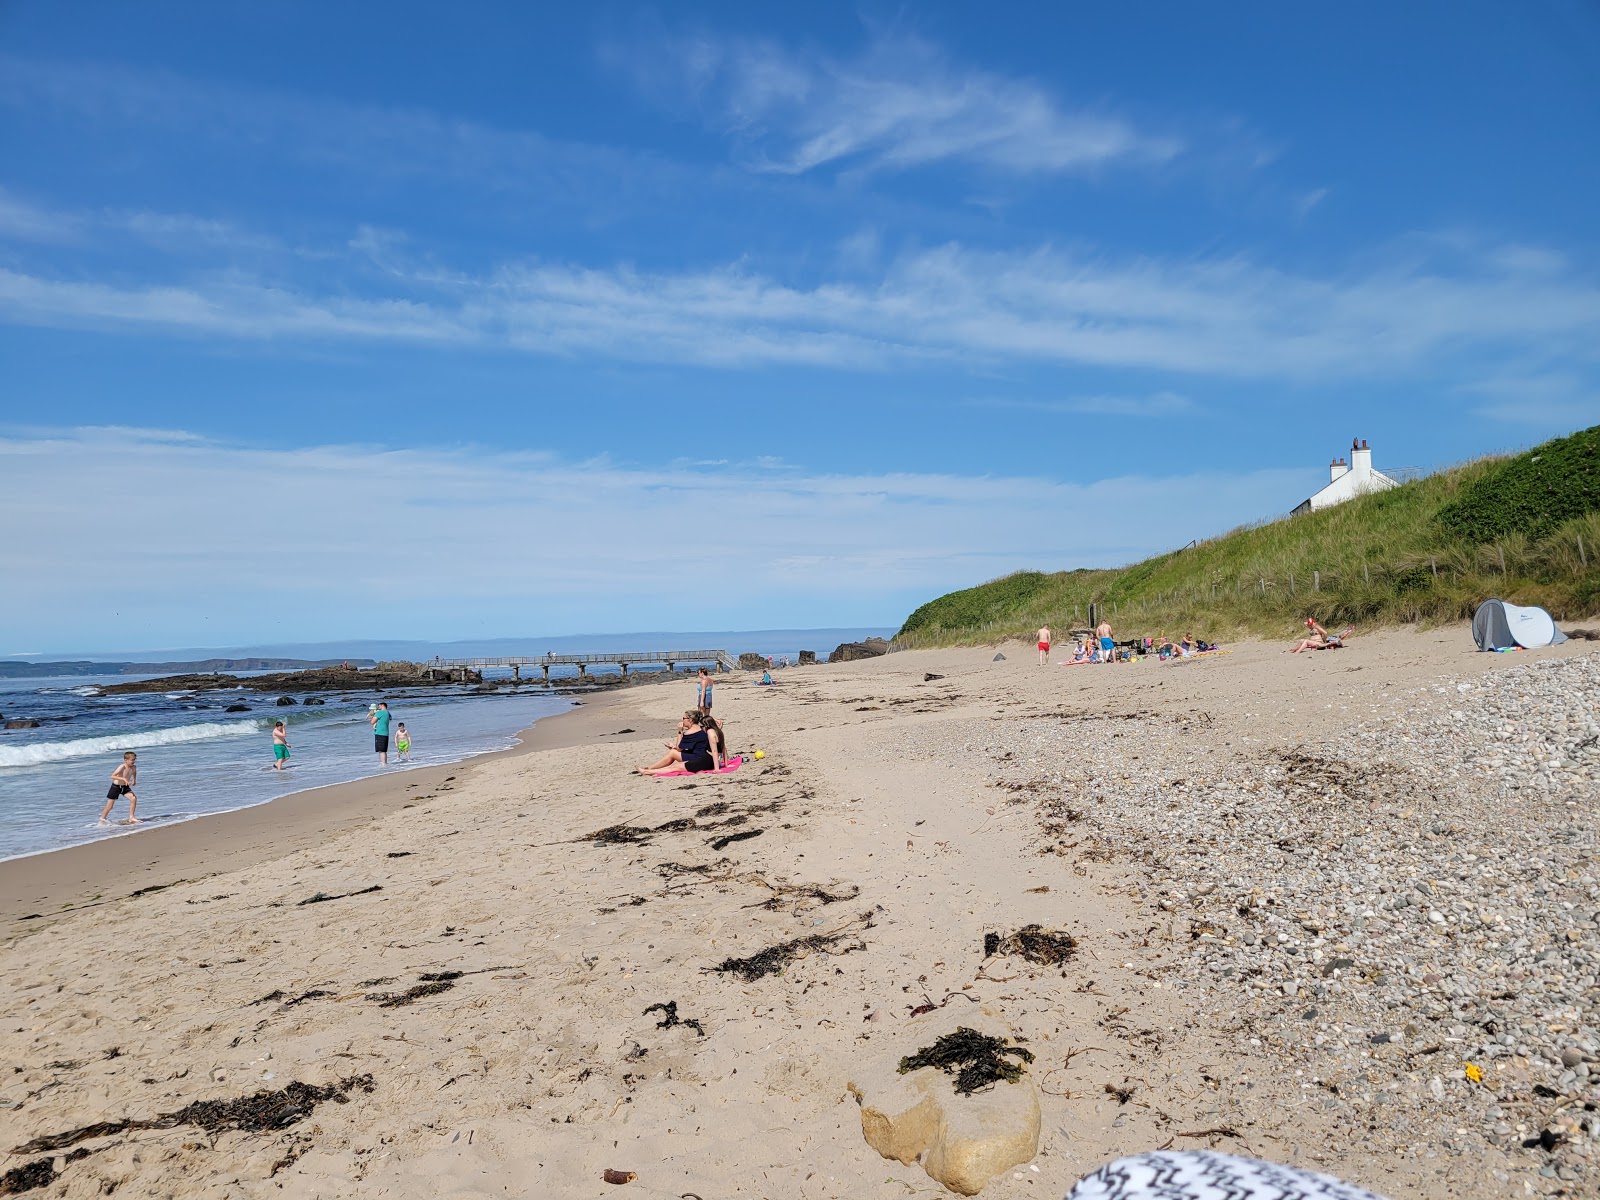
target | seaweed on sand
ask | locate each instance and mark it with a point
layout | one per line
(429, 987)
(1034, 943)
(670, 1017)
(41, 1172)
(722, 843)
(618, 835)
(255, 1113)
(977, 1060)
(774, 959)
(324, 897)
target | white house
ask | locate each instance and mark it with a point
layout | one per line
(1346, 480)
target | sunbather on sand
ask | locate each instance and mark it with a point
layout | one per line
(1320, 638)
(690, 751)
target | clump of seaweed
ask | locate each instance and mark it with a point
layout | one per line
(774, 959)
(722, 843)
(255, 1113)
(290, 1001)
(618, 835)
(412, 994)
(670, 1017)
(977, 1060)
(1034, 943)
(41, 1172)
(324, 897)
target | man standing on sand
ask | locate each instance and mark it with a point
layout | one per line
(379, 720)
(1108, 645)
(123, 781)
(1044, 645)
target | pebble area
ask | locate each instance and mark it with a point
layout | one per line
(1405, 918)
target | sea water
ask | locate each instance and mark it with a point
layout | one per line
(196, 758)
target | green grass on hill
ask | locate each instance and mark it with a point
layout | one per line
(1523, 528)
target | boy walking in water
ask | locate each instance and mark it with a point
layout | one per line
(280, 746)
(402, 742)
(123, 781)
(380, 731)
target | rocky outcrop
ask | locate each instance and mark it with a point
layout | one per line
(388, 677)
(962, 1141)
(237, 708)
(752, 662)
(285, 701)
(22, 725)
(855, 651)
(807, 658)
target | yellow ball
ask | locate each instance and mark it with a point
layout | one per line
(761, 753)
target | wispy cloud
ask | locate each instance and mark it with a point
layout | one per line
(794, 541)
(899, 105)
(1157, 404)
(1542, 400)
(1456, 307)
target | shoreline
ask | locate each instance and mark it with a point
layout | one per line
(69, 879)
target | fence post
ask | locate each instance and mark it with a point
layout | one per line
(1434, 563)
(1365, 578)
(1291, 583)
(1501, 552)
(1316, 581)
(1583, 559)
(1263, 584)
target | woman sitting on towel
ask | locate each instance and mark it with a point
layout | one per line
(718, 739)
(1320, 639)
(690, 752)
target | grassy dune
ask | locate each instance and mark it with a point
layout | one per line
(1525, 528)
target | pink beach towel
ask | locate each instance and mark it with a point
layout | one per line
(727, 768)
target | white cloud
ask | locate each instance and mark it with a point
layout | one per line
(1438, 305)
(340, 539)
(900, 105)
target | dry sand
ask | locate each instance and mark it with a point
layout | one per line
(539, 1068)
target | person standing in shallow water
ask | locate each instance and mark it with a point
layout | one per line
(123, 780)
(380, 731)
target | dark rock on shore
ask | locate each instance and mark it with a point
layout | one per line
(752, 662)
(22, 724)
(310, 700)
(808, 658)
(285, 701)
(390, 676)
(855, 651)
(237, 708)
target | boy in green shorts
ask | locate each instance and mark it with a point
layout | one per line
(280, 746)
(402, 742)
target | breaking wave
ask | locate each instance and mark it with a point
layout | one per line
(45, 752)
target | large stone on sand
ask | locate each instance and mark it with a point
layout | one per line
(962, 1141)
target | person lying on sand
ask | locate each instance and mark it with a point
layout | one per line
(1320, 638)
(691, 751)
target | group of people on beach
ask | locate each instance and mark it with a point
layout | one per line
(1101, 647)
(701, 743)
(126, 776)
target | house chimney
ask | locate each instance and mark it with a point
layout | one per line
(1336, 469)
(1361, 460)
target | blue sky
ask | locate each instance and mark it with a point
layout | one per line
(390, 320)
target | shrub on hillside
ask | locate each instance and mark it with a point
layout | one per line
(1532, 493)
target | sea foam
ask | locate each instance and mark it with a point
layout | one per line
(46, 752)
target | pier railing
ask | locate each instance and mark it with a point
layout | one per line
(624, 659)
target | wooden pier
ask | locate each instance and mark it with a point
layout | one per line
(717, 659)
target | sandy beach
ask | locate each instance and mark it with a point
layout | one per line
(1235, 843)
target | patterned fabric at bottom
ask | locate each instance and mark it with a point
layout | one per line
(1207, 1175)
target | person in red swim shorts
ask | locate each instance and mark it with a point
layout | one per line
(1044, 644)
